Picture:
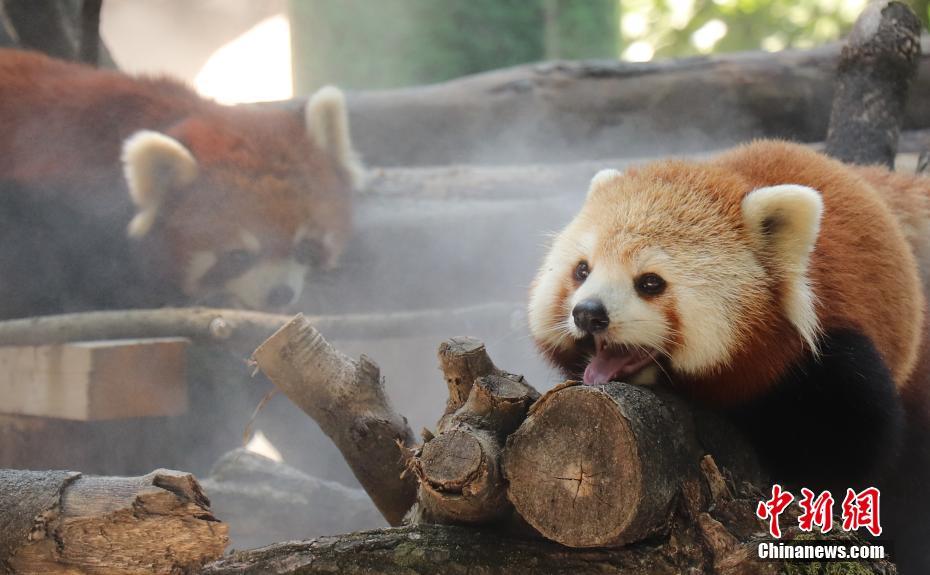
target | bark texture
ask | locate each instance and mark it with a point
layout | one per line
(62, 522)
(589, 467)
(346, 398)
(460, 479)
(450, 550)
(239, 329)
(875, 71)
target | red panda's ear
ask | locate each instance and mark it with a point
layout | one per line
(328, 127)
(785, 222)
(602, 179)
(153, 163)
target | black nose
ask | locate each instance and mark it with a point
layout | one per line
(280, 296)
(591, 315)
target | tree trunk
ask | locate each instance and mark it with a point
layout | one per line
(62, 522)
(875, 72)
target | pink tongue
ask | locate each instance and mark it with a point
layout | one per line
(611, 365)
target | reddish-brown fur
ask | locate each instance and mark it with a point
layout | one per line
(64, 125)
(863, 270)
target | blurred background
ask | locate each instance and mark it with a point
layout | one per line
(276, 49)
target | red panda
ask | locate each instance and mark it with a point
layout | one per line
(777, 285)
(118, 191)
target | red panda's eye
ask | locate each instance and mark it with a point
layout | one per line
(582, 271)
(229, 265)
(650, 284)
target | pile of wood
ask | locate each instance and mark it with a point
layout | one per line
(622, 477)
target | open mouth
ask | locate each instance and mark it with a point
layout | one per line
(614, 363)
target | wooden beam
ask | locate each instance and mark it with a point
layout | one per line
(95, 380)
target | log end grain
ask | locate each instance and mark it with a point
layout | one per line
(574, 470)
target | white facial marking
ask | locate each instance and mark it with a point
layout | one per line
(706, 324)
(633, 320)
(199, 265)
(253, 287)
(250, 241)
(549, 329)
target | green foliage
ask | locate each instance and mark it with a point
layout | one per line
(580, 29)
(684, 28)
(388, 43)
(671, 28)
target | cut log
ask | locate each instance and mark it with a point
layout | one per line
(61, 522)
(462, 361)
(875, 71)
(346, 398)
(599, 466)
(460, 479)
(95, 380)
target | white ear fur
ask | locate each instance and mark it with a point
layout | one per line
(153, 163)
(601, 178)
(785, 219)
(328, 126)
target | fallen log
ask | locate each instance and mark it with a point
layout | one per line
(874, 73)
(63, 522)
(575, 111)
(346, 398)
(239, 329)
(450, 550)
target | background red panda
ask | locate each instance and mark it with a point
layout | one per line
(124, 192)
(782, 287)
